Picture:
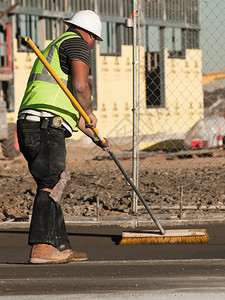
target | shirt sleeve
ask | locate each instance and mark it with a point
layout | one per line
(77, 49)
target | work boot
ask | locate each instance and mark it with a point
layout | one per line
(47, 254)
(76, 256)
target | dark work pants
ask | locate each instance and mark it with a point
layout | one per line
(45, 151)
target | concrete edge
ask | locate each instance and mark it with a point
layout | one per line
(124, 223)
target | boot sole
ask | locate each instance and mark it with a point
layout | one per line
(48, 261)
(79, 259)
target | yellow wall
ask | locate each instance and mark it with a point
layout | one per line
(183, 90)
(23, 62)
(114, 93)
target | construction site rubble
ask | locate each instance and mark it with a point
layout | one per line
(97, 188)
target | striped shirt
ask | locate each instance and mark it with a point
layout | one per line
(74, 49)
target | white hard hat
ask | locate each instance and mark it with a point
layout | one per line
(88, 20)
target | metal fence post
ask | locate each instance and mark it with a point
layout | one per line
(135, 108)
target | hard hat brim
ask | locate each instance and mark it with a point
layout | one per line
(68, 23)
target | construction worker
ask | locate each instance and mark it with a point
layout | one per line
(46, 117)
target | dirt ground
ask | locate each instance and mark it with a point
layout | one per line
(164, 180)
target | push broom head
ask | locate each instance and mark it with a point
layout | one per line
(180, 236)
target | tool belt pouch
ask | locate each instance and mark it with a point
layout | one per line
(60, 189)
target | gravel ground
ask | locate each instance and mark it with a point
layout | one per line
(95, 179)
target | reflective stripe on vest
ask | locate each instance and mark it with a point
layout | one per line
(44, 76)
(48, 78)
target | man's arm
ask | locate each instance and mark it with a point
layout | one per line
(82, 92)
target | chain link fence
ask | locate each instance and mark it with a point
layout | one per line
(180, 106)
(177, 144)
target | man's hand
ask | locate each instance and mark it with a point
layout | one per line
(93, 121)
(105, 147)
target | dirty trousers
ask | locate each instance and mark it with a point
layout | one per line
(45, 151)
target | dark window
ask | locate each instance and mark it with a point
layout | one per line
(111, 44)
(26, 26)
(153, 94)
(192, 39)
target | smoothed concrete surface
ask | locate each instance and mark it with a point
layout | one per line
(190, 277)
(196, 271)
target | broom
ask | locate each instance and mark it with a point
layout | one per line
(150, 237)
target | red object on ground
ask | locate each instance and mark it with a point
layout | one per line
(199, 144)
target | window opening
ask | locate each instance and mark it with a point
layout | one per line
(174, 42)
(152, 67)
(111, 44)
(27, 25)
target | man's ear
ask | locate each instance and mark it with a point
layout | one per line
(92, 35)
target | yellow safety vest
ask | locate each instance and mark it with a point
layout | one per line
(44, 93)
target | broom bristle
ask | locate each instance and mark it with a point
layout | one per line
(201, 239)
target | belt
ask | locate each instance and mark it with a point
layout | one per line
(29, 118)
(51, 121)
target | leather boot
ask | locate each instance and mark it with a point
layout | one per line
(47, 254)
